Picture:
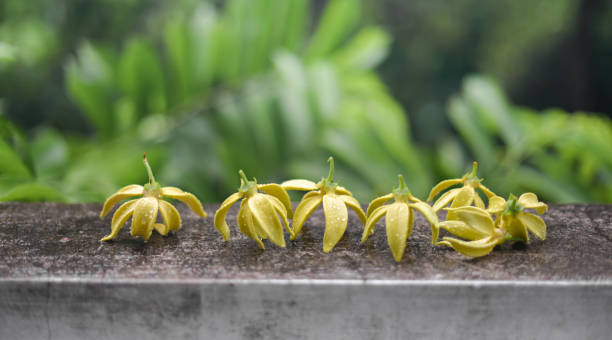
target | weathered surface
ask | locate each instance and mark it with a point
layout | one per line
(57, 281)
(62, 241)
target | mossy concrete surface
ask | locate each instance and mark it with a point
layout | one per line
(57, 280)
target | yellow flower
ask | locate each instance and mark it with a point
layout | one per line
(459, 197)
(399, 217)
(335, 200)
(515, 221)
(476, 225)
(257, 217)
(144, 210)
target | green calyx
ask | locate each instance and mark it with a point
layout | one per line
(152, 188)
(328, 184)
(471, 178)
(513, 207)
(246, 186)
(402, 193)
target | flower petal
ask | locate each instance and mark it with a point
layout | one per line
(512, 225)
(162, 229)
(185, 197)
(430, 215)
(265, 217)
(398, 228)
(463, 230)
(299, 184)
(306, 207)
(486, 191)
(477, 218)
(376, 215)
(377, 203)
(170, 215)
(478, 201)
(123, 193)
(445, 199)
(464, 197)
(352, 203)
(279, 192)
(336, 220)
(530, 201)
(220, 222)
(145, 214)
(246, 226)
(534, 223)
(496, 205)
(119, 218)
(442, 186)
(472, 248)
(280, 209)
(343, 191)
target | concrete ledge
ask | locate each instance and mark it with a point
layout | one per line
(57, 281)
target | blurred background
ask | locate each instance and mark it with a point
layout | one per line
(420, 87)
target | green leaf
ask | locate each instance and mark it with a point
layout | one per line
(339, 19)
(365, 50)
(32, 192)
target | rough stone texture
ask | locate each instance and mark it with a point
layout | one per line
(51, 240)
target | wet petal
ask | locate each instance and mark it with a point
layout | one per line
(478, 219)
(530, 201)
(486, 191)
(246, 226)
(280, 193)
(343, 191)
(464, 197)
(377, 203)
(265, 217)
(398, 228)
(463, 230)
(471, 248)
(162, 229)
(119, 218)
(220, 222)
(534, 223)
(306, 207)
(145, 214)
(299, 184)
(336, 220)
(170, 215)
(441, 187)
(185, 197)
(496, 205)
(478, 201)
(430, 215)
(280, 209)
(445, 199)
(515, 228)
(376, 215)
(352, 203)
(123, 193)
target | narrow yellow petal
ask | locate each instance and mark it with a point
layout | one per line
(299, 184)
(170, 215)
(377, 202)
(220, 222)
(464, 197)
(496, 205)
(486, 191)
(336, 220)
(530, 201)
(477, 218)
(246, 226)
(352, 203)
(471, 248)
(478, 201)
(306, 207)
(512, 225)
(145, 214)
(280, 209)
(185, 197)
(123, 193)
(398, 228)
(463, 230)
(430, 215)
(119, 218)
(162, 229)
(376, 215)
(279, 192)
(534, 223)
(264, 215)
(343, 191)
(445, 199)
(441, 187)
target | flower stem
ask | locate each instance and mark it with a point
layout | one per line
(149, 171)
(474, 169)
(402, 183)
(243, 177)
(330, 177)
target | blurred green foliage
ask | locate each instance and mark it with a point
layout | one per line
(258, 85)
